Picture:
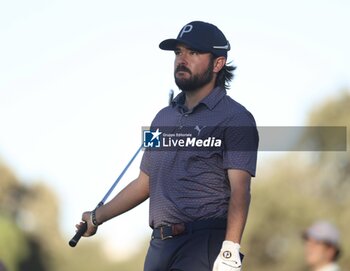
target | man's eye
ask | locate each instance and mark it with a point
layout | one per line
(194, 52)
(177, 52)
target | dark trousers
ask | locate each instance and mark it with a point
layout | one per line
(194, 251)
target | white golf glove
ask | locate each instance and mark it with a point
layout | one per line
(229, 258)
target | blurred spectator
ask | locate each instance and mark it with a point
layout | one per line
(322, 247)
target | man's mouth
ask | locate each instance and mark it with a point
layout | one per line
(182, 69)
(181, 72)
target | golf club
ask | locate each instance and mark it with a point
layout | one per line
(74, 241)
(171, 96)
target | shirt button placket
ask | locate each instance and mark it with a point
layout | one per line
(183, 120)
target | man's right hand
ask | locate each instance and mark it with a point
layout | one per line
(91, 229)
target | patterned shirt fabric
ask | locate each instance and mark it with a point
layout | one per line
(187, 185)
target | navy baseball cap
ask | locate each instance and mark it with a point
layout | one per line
(201, 36)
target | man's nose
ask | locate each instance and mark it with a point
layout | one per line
(181, 59)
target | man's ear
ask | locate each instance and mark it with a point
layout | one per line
(219, 63)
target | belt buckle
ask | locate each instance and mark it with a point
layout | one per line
(162, 237)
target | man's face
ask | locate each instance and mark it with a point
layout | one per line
(318, 254)
(192, 70)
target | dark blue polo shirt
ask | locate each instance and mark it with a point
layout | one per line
(189, 185)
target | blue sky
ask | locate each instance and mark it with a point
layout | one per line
(78, 79)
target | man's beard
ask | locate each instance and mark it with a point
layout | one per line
(195, 82)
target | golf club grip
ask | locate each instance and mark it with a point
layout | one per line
(74, 241)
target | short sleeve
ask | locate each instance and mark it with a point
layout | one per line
(145, 165)
(241, 141)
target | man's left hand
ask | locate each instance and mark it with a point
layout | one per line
(229, 258)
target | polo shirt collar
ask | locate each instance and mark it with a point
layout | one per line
(210, 101)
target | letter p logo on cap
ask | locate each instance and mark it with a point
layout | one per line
(186, 29)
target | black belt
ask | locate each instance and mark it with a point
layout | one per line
(169, 231)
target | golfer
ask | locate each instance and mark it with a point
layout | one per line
(199, 196)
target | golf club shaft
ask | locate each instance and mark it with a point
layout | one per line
(171, 96)
(119, 178)
(74, 241)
